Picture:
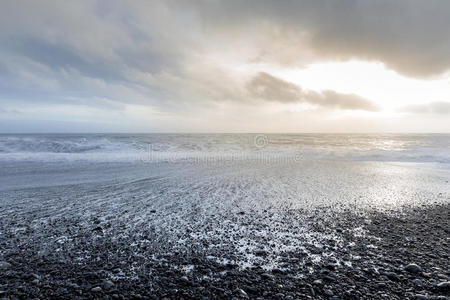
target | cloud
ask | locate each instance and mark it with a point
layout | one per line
(178, 55)
(438, 108)
(409, 36)
(267, 87)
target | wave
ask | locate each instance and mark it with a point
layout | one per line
(174, 147)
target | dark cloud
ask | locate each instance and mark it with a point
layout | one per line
(267, 87)
(409, 36)
(438, 108)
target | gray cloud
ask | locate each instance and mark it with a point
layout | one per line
(174, 54)
(438, 108)
(409, 36)
(267, 87)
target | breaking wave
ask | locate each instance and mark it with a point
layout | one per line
(138, 147)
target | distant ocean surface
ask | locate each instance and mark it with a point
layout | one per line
(156, 147)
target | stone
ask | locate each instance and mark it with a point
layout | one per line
(417, 282)
(392, 276)
(96, 289)
(318, 282)
(108, 284)
(241, 293)
(413, 268)
(444, 286)
(4, 265)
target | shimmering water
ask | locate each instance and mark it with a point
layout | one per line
(136, 147)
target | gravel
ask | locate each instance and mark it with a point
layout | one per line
(369, 257)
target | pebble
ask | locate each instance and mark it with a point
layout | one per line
(329, 293)
(318, 282)
(4, 265)
(444, 286)
(108, 284)
(417, 282)
(242, 293)
(392, 276)
(413, 268)
(96, 289)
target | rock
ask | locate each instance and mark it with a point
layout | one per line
(96, 289)
(318, 282)
(417, 282)
(421, 297)
(413, 268)
(108, 284)
(392, 276)
(153, 211)
(173, 291)
(241, 212)
(4, 265)
(329, 293)
(279, 295)
(444, 286)
(241, 293)
(184, 279)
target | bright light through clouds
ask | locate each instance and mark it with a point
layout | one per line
(256, 65)
(370, 80)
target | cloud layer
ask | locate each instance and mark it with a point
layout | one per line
(180, 57)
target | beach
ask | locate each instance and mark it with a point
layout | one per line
(259, 223)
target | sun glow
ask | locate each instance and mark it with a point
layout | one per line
(384, 87)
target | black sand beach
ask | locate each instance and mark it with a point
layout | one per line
(389, 255)
(79, 227)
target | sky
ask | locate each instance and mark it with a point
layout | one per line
(225, 66)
